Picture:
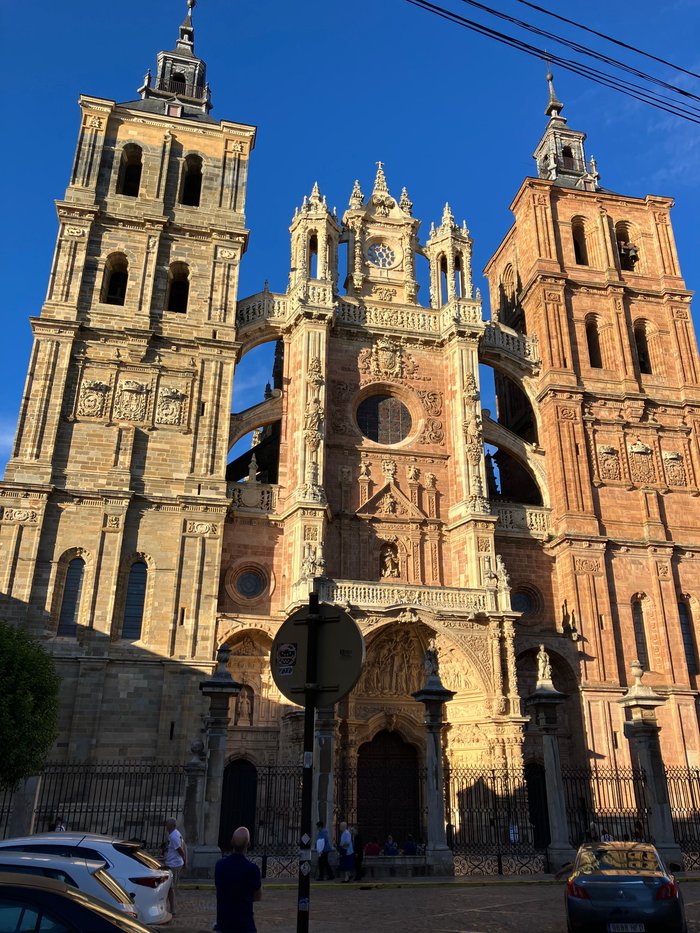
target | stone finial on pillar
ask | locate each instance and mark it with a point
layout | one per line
(433, 696)
(219, 688)
(543, 705)
(642, 732)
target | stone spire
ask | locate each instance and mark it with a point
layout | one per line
(405, 203)
(554, 106)
(357, 198)
(380, 185)
(181, 77)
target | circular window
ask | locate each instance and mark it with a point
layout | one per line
(525, 601)
(250, 583)
(384, 419)
(381, 255)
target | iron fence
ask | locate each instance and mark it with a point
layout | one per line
(684, 799)
(6, 794)
(492, 827)
(605, 800)
(129, 799)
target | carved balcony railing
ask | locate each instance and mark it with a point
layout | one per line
(525, 519)
(253, 497)
(519, 347)
(385, 595)
(419, 321)
(261, 307)
(460, 311)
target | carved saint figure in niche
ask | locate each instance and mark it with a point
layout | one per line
(430, 658)
(244, 707)
(544, 666)
(389, 561)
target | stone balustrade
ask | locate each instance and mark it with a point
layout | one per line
(385, 595)
(523, 518)
(519, 346)
(253, 497)
(261, 307)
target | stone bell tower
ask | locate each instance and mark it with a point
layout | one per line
(115, 494)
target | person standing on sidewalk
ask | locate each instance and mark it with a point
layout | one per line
(174, 858)
(238, 887)
(347, 857)
(323, 847)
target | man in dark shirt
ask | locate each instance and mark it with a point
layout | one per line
(238, 885)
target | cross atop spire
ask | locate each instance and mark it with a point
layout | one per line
(380, 185)
(554, 106)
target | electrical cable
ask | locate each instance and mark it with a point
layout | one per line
(581, 49)
(600, 77)
(602, 35)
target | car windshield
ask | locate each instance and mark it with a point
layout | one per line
(602, 859)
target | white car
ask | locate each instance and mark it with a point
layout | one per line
(87, 875)
(141, 876)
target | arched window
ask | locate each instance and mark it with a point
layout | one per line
(567, 155)
(443, 280)
(178, 288)
(640, 637)
(129, 178)
(595, 357)
(689, 646)
(641, 343)
(191, 188)
(178, 83)
(135, 601)
(578, 232)
(459, 277)
(627, 251)
(70, 604)
(115, 279)
(312, 268)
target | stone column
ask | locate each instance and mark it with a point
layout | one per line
(324, 772)
(544, 703)
(433, 696)
(219, 688)
(24, 803)
(195, 769)
(642, 732)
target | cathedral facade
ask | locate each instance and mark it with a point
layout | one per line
(134, 547)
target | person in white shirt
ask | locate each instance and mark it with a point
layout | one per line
(174, 858)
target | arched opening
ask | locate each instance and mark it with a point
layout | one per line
(578, 233)
(238, 801)
(178, 288)
(312, 269)
(641, 343)
(130, 167)
(640, 635)
(116, 278)
(595, 356)
(688, 637)
(537, 804)
(70, 603)
(459, 277)
(513, 408)
(508, 479)
(627, 251)
(259, 372)
(388, 798)
(567, 155)
(178, 82)
(135, 601)
(443, 281)
(191, 188)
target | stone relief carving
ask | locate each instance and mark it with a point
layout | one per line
(92, 400)
(389, 561)
(390, 505)
(433, 432)
(386, 359)
(471, 389)
(412, 473)
(393, 666)
(131, 401)
(642, 463)
(609, 462)
(169, 409)
(674, 468)
(313, 420)
(389, 470)
(21, 516)
(544, 666)
(432, 402)
(430, 480)
(201, 528)
(586, 565)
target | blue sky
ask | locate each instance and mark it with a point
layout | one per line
(332, 88)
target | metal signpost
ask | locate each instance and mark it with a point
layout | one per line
(316, 659)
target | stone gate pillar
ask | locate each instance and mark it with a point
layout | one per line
(192, 816)
(544, 703)
(642, 732)
(324, 772)
(219, 688)
(433, 696)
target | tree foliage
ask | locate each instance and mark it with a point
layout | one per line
(28, 705)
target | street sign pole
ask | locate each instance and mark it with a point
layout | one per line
(310, 690)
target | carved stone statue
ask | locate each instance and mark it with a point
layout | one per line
(544, 666)
(389, 561)
(430, 658)
(253, 470)
(501, 572)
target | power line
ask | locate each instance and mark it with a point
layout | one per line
(599, 77)
(581, 49)
(602, 35)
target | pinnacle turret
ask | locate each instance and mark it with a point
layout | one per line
(380, 185)
(554, 106)
(357, 198)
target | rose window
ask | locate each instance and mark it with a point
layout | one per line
(381, 255)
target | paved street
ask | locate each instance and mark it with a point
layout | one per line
(452, 907)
